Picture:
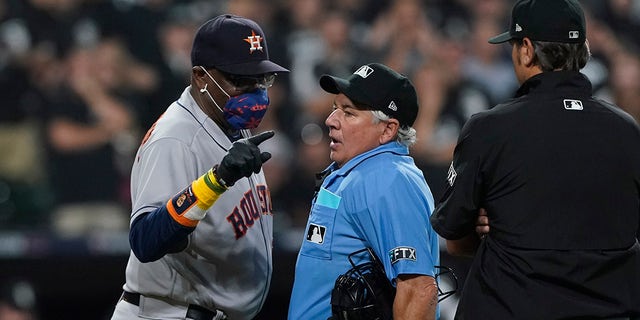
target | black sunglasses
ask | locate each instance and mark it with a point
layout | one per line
(251, 82)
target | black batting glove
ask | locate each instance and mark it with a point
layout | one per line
(243, 159)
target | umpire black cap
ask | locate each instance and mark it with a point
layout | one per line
(546, 20)
(380, 88)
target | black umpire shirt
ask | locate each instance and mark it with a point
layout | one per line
(559, 174)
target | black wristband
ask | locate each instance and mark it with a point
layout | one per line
(220, 181)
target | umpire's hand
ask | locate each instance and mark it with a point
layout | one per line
(482, 224)
(243, 159)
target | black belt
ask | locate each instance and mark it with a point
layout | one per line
(194, 312)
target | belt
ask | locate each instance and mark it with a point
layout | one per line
(194, 312)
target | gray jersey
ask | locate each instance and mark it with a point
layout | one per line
(227, 263)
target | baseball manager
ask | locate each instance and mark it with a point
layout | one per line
(201, 223)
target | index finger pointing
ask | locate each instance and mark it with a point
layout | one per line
(259, 138)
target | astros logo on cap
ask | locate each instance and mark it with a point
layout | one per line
(254, 40)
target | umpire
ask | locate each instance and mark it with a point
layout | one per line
(558, 173)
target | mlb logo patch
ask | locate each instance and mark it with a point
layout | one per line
(316, 233)
(571, 104)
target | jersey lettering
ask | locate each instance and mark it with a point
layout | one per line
(150, 131)
(264, 196)
(246, 213)
(249, 208)
(235, 218)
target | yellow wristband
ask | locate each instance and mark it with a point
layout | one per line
(214, 182)
(207, 190)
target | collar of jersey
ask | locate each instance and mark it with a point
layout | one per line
(558, 82)
(393, 147)
(189, 104)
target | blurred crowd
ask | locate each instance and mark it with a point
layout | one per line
(82, 81)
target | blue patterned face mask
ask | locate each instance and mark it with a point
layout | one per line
(244, 111)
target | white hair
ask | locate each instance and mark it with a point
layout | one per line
(406, 135)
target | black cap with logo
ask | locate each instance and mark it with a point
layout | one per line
(233, 44)
(546, 20)
(380, 88)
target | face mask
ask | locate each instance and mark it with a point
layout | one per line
(244, 111)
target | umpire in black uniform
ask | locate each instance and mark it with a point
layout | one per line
(558, 173)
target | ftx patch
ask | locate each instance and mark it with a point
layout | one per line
(402, 253)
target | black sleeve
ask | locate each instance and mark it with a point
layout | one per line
(638, 232)
(456, 212)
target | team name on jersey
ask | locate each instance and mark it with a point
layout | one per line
(247, 212)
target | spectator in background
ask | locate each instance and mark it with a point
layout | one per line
(86, 124)
(602, 44)
(333, 50)
(336, 53)
(276, 172)
(18, 300)
(23, 192)
(448, 100)
(616, 69)
(128, 81)
(624, 83)
(175, 36)
(319, 40)
(402, 37)
(486, 65)
(304, 46)
(311, 151)
(136, 25)
(623, 17)
(497, 10)
(55, 26)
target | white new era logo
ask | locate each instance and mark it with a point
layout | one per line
(518, 28)
(364, 71)
(451, 175)
(571, 104)
(393, 106)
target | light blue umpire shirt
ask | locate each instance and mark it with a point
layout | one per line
(379, 199)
